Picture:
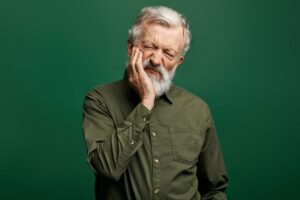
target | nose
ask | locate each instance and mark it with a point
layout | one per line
(156, 58)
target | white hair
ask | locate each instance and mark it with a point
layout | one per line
(163, 85)
(164, 16)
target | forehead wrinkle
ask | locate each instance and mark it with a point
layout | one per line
(160, 40)
(157, 42)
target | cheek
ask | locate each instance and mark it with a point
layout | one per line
(169, 66)
(146, 55)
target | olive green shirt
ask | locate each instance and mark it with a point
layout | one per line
(171, 152)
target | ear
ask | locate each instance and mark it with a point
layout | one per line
(129, 48)
(180, 60)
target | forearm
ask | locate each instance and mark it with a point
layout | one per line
(111, 147)
(112, 156)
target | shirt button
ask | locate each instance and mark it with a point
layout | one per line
(153, 133)
(132, 142)
(156, 191)
(156, 160)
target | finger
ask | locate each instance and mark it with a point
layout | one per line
(139, 62)
(134, 59)
(132, 53)
(135, 55)
(139, 45)
(130, 60)
(129, 70)
(140, 66)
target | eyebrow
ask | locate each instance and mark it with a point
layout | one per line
(165, 48)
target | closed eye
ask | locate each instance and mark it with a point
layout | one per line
(147, 46)
(169, 54)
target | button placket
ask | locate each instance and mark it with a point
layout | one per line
(146, 119)
(156, 163)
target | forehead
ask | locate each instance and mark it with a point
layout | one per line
(167, 37)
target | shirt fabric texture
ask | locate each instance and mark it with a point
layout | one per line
(171, 152)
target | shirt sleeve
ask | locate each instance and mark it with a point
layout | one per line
(211, 172)
(109, 147)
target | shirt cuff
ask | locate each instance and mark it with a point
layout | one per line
(139, 116)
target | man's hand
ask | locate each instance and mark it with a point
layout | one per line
(139, 79)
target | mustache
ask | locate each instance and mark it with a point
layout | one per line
(148, 64)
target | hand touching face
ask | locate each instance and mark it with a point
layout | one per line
(139, 79)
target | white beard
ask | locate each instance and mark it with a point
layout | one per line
(163, 85)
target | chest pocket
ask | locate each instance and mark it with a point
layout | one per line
(186, 145)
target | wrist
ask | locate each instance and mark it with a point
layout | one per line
(148, 103)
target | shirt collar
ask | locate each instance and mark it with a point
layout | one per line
(169, 95)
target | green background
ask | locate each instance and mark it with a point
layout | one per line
(244, 61)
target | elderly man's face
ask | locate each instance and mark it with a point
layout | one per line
(161, 46)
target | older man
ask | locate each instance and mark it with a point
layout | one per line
(146, 138)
